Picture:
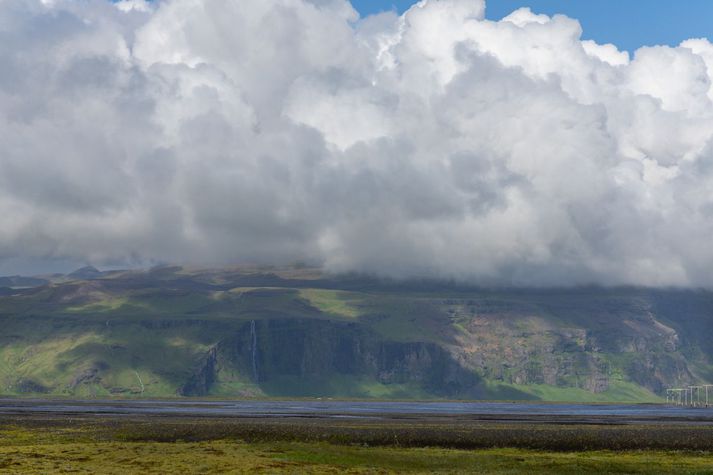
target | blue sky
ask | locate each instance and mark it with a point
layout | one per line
(627, 23)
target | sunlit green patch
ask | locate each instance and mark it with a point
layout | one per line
(334, 302)
(110, 304)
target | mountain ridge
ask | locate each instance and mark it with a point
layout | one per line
(172, 331)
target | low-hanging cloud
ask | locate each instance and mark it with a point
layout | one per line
(435, 143)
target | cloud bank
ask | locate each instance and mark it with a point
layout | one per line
(436, 143)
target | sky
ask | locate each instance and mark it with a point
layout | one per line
(629, 24)
(431, 142)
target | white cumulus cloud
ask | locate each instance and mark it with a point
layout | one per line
(436, 143)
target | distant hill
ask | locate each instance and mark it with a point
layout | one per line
(85, 273)
(289, 332)
(16, 281)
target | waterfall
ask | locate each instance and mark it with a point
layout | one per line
(140, 382)
(253, 346)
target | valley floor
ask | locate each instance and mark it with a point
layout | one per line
(93, 444)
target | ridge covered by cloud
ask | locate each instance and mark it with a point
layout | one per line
(436, 143)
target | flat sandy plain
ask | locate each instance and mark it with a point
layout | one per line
(57, 441)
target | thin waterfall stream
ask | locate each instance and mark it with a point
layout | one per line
(253, 345)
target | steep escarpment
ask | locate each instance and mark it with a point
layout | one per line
(271, 352)
(296, 332)
(200, 382)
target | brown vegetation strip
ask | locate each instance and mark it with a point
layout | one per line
(447, 432)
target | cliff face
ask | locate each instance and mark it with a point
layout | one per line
(253, 334)
(515, 349)
(513, 346)
(570, 358)
(200, 383)
(317, 349)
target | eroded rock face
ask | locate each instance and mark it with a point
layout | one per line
(506, 342)
(499, 341)
(89, 375)
(200, 383)
(29, 386)
(161, 333)
(320, 348)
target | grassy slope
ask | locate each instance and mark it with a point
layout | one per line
(159, 360)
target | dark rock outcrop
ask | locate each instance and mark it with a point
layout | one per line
(29, 386)
(200, 382)
(320, 348)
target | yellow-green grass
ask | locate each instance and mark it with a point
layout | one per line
(62, 451)
(38, 361)
(334, 302)
(131, 361)
(107, 305)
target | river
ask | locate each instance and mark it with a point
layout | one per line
(614, 413)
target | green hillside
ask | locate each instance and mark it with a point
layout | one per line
(294, 332)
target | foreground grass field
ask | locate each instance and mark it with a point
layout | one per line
(187, 446)
(239, 457)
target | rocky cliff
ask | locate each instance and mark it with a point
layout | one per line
(316, 349)
(299, 333)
